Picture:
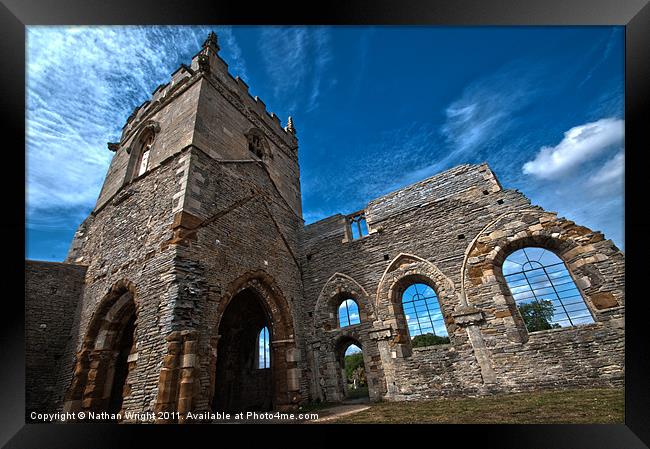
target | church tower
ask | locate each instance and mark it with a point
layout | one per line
(194, 286)
(193, 256)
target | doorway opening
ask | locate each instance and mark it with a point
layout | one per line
(121, 367)
(353, 374)
(244, 371)
(100, 381)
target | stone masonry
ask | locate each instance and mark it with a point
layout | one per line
(197, 238)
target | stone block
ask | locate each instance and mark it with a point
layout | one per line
(603, 300)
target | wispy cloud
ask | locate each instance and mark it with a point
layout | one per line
(364, 49)
(487, 108)
(232, 53)
(374, 169)
(474, 127)
(295, 59)
(608, 45)
(82, 83)
(580, 144)
(323, 57)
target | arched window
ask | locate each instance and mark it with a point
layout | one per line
(542, 287)
(348, 313)
(426, 325)
(357, 225)
(263, 349)
(257, 143)
(143, 158)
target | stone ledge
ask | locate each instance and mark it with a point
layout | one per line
(467, 316)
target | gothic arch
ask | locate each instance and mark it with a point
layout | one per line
(93, 385)
(272, 297)
(258, 143)
(330, 296)
(590, 259)
(402, 271)
(284, 368)
(340, 345)
(144, 137)
(148, 127)
(327, 356)
(409, 265)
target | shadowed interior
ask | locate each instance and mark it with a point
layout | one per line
(240, 384)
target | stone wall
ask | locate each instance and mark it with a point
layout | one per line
(226, 115)
(440, 231)
(238, 200)
(210, 219)
(52, 294)
(172, 116)
(160, 238)
(126, 242)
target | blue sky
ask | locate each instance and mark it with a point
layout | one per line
(376, 108)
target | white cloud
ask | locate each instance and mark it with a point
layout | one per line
(609, 178)
(579, 145)
(592, 197)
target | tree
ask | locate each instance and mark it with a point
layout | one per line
(428, 339)
(352, 362)
(359, 377)
(537, 315)
(354, 369)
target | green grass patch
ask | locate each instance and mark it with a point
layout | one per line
(593, 406)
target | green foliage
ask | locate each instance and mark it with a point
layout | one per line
(355, 376)
(428, 339)
(352, 363)
(537, 315)
(359, 375)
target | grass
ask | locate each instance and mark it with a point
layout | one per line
(552, 407)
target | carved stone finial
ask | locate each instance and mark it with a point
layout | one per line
(212, 42)
(290, 128)
(204, 63)
(113, 146)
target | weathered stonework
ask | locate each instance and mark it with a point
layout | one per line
(52, 293)
(191, 257)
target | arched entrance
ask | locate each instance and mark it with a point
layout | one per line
(250, 303)
(352, 381)
(244, 380)
(100, 379)
(124, 347)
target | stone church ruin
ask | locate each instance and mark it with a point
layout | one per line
(194, 284)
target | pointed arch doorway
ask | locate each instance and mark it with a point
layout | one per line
(252, 369)
(100, 379)
(244, 380)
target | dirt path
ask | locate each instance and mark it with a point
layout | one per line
(337, 411)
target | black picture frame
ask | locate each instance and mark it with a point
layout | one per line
(634, 15)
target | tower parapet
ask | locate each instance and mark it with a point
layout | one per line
(213, 111)
(236, 91)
